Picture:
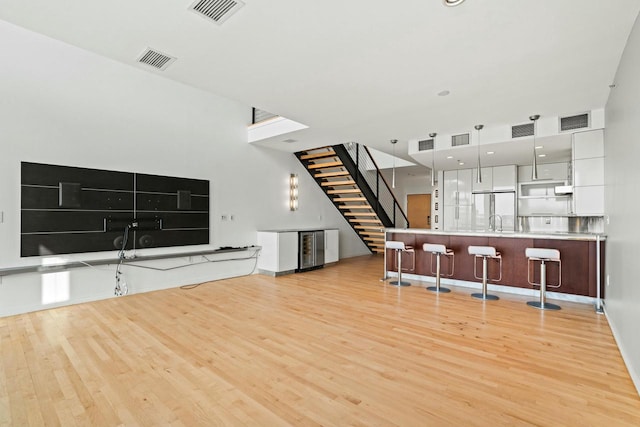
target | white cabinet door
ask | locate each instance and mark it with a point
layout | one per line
(589, 201)
(450, 218)
(465, 182)
(587, 145)
(450, 188)
(331, 246)
(504, 178)
(588, 172)
(465, 214)
(287, 251)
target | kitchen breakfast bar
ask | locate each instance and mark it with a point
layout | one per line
(580, 273)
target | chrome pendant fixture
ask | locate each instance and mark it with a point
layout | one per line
(433, 159)
(534, 163)
(479, 174)
(393, 172)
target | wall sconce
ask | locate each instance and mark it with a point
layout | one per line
(293, 192)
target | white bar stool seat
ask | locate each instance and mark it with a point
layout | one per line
(399, 247)
(438, 250)
(543, 255)
(485, 252)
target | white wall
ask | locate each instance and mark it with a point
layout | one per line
(62, 105)
(622, 205)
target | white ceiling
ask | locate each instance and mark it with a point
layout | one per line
(366, 70)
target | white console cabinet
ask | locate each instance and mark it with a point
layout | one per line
(279, 254)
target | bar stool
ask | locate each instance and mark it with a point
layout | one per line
(485, 252)
(438, 251)
(399, 247)
(544, 256)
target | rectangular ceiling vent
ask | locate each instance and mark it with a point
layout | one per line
(216, 10)
(425, 144)
(519, 131)
(574, 122)
(155, 59)
(458, 140)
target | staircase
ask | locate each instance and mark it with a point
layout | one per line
(350, 178)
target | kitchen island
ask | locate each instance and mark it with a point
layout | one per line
(582, 258)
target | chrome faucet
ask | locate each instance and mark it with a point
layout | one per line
(492, 225)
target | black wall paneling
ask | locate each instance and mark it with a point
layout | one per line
(70, 210)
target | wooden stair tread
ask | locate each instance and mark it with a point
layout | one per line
(354, 206)
(318, 155)
(349, 199)
(337, 183)
(360, 214)
(344, 191)
(324, 165)
(372, 233)
(330, 174)
(374, 221)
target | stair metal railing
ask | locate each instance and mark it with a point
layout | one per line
(368, 171)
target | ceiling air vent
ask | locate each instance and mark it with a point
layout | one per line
(519, 131)
(216, 10)
(261, 115)
(462, 139)
(425, 144)
(574, 122)
(155, 59)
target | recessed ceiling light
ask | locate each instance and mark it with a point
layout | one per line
(491, 152)
(449, 157)
(289, 141)
(461, 163)
(539, 147)
(451, 3)
(444, 93)
(542, 155)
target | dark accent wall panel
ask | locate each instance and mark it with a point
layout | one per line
(70, 210)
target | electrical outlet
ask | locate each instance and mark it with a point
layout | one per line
(223, 217)
(230, 217)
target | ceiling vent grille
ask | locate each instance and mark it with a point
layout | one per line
(425, 144)
(519, 131)
(574, 122)
(458, 140)
(261, 115)
(155, 59)
(216, 10)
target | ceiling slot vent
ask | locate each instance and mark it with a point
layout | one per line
(458, 140)
(262, 115)
(216, 10)
(425, 144)
(574, 122)
(519, 131)
(155, 59)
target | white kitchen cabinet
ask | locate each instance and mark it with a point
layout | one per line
(457, 202)
(504, 178)
(331, 246)
(589, 201)
(588, 173)
(554, 171)
(279, 254)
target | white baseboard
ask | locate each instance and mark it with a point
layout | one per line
(635, 376)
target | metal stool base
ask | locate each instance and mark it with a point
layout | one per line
(442, 290)
(485, 297)
(396, 283)
(545, 306)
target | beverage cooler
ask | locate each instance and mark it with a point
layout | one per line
(310, 250)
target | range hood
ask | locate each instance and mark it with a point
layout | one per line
(560, 190)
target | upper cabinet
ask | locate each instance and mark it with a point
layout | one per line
(498, 178)
(588, 173)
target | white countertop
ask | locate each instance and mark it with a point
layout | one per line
(510, 234)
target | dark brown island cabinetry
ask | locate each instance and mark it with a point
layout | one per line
(577, 252)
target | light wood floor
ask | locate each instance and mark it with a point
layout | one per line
(329, 347)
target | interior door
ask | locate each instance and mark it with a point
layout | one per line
(419, 210)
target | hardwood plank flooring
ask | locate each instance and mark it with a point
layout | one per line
(328, 347)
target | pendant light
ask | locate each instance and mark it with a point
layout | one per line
(393, 173)
(433, 159)
(534, 163)
(479, 174)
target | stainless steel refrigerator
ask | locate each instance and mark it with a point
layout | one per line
(310, 250)
(494, 211)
